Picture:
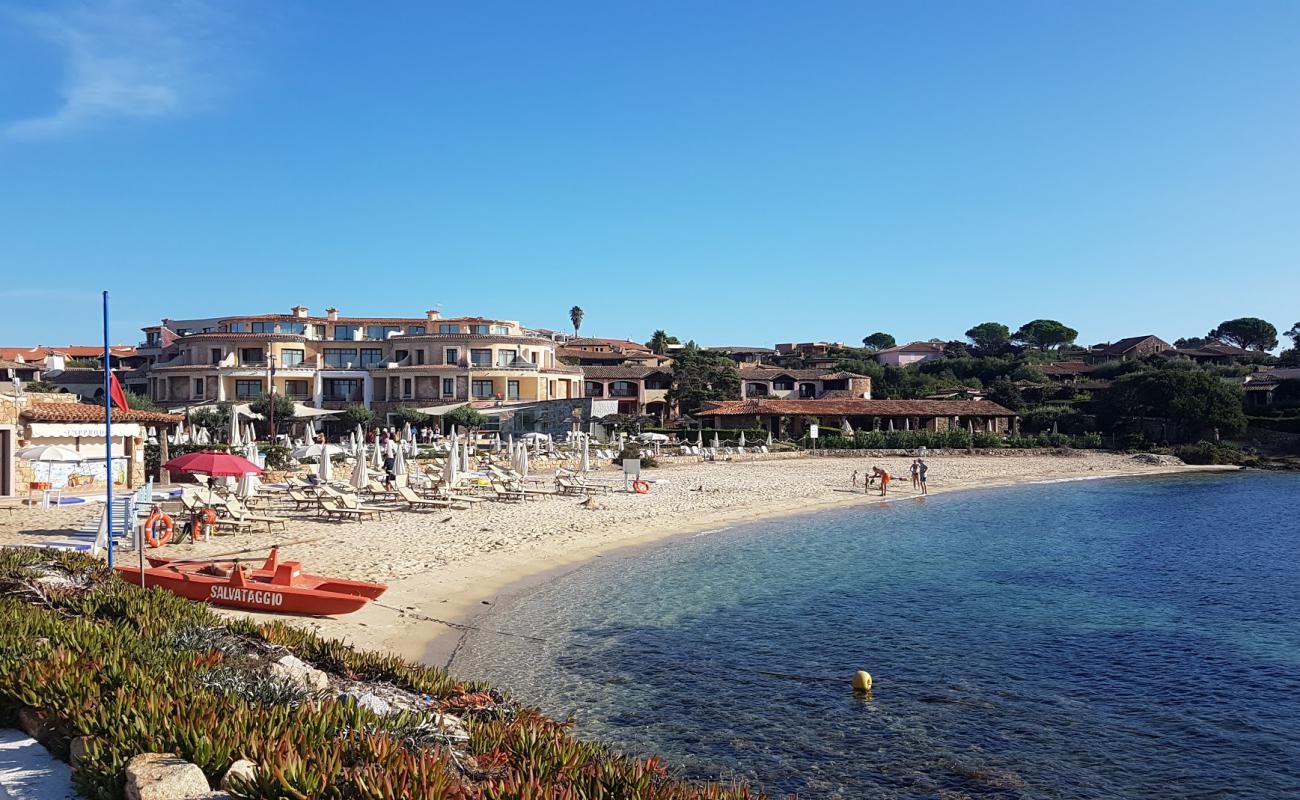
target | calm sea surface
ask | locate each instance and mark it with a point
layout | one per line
(1130, 638)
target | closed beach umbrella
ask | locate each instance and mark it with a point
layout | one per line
(250, 453)
(449, 469)
(523, 461)
(361, 434)
(465, 459)
(769, 438)
(399, 463)
(248, 485)
(406, 432)
(742, 439)
(325, 469)
(309, 431)
(586, 454)
(891, 423)
(846, 428)
(360, 475)
(377, 456)
(716, 443)
(699, 438)
(203, 438)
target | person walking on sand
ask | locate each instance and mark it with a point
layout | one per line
(921, 469)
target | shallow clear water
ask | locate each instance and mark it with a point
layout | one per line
(1134, 638)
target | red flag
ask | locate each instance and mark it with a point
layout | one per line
(116, 393)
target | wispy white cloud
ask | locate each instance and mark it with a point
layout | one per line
(125, 59)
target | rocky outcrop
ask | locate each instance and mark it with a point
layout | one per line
(164, 776)
(242, 770)
(296, 671)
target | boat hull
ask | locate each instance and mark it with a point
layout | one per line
(250, 593)
(301, 580)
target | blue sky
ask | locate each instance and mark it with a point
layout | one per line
(736, 173)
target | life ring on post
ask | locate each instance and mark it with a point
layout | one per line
(641, 487)
(158, 529)
(204, 522)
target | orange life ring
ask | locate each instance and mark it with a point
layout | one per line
(151, 534)
(204, 521)
(640, 487)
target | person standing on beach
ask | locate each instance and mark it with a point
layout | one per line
(921, 469)
(884, 482)
(916, 474)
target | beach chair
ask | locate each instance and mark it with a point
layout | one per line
(414, 502)
(504, 494)
(376, 489)
(301, 500)
(240, 512)
(333, 508)
(353, 502)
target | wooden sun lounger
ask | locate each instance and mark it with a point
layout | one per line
(414, 501)
(332, 507)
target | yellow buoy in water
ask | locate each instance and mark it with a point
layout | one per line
(862, 681)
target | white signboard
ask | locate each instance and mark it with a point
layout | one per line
(812, 431)
(86, 430)
(631, 469)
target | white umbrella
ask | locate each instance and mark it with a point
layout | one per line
(523, 462)
(317, 451)
(203, 437)
(399, 463)
(361, 434)
(699, 438)
(406, 432)
(769, 438)
(325, 470)
(50, 454)
(360, 475)
(716, 444)
(464, 461)
(846, 427)
(449, 468)
(742, 439)
(248, 485)
(377, 457)
(309, 431)
(496, 443)
(586, 455)
(250, 453)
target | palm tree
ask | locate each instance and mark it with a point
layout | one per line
(575, 316)
(658, 343)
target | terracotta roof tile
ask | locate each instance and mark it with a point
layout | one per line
(84, 412)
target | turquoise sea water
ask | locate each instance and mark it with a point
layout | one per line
(1129, 638)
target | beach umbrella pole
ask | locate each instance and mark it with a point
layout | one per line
(108, 434)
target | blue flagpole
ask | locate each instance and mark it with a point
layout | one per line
(108, 432)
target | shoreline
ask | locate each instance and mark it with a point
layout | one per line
(446, 571)
(478, 607)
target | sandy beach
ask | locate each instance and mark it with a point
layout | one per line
(446, 568)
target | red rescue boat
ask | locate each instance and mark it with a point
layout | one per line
(277, 586)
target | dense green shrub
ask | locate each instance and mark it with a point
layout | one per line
(1210, 453)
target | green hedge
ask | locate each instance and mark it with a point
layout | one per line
(1282, 424)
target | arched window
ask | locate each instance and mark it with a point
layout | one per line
(593, 389)
(622, 389)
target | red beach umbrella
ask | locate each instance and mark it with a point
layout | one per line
(218, 465)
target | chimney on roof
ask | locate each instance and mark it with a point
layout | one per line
(332, 314)
(299, 311)
(432, 315)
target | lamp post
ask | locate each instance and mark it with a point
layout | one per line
(270, 393)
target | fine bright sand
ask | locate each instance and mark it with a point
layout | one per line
(446, 568)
